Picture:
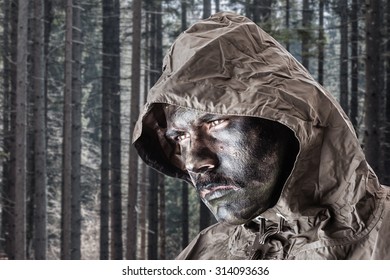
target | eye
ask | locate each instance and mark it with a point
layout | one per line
(182, 136)
(216, 123)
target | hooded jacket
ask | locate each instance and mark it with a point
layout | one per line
(332, 205)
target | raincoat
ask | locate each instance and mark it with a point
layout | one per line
(332, 205)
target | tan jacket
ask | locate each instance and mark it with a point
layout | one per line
(332, 205)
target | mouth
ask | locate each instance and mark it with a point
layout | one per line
(211, 191)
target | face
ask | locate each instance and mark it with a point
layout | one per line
(234, 162)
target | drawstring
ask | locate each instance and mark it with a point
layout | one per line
(260, 248)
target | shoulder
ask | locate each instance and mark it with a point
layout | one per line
(210, 243)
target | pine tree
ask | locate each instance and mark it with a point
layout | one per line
(76, 133)
(373, 91)
(206, 8)
(321, 43)
(40, 188)
(354, 63)
(105, 134)
(20, 132)
(6, 109)
(342, 10)
(115, 148)
(131, 252)
(306, 33)
(67, 140)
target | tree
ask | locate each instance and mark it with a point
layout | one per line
(354, 63)
(373, 96)
(217, 8)
(321, 43)
(152, 215)
(10, 138)
(206, 8)
(261, 12)
(20, 132)
(184, 215)
(105, 134)
(6, 218)
(144, 170)
(76, 133)
(142, 215)
(116, 170)
(131, 252)
(386, 157)
(305, 33)
(343, 13)
(162, 218)
(287, 20)
(67, 139)
(40, 232)
(154, 176)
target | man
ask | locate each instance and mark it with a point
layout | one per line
(269, 151)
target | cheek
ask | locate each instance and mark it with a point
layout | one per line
(232, 145)
(235, 155)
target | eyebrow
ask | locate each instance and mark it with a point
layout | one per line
(171, 133)
(174, 131)
(209, 117)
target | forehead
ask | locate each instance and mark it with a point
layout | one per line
(179, 116)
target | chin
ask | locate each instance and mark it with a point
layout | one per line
(224, 216)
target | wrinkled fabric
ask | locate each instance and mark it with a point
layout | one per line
(332, 204)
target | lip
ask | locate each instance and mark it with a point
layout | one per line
(214, 192)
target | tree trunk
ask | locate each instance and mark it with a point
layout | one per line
(386, 158)
(67, 139)
(152, 215)
(116, 193)
(156, 67)
(105, 132)
(6, 207)
(152, 193)
(40, 233)
(217, 8)
(131, 252)
(321, 43)
(373, 90)
(162, 218)
(248, 8)
(288, 24)
(183, 15)
(142, 215)
(354, 64)
(30, 144)
(144, 173)
(306, 19)
(76, 133)
(20, 132)
(206, 8)
(343, 12)
(261, 12)
(10, 244)
(184, 215)
(48, 22)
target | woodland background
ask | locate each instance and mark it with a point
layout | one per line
(73, 75)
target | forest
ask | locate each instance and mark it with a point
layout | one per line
(73, 77)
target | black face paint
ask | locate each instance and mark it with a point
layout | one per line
(235, 163)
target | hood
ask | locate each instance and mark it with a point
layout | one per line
(228, 65)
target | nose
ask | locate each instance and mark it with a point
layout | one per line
(201, 159)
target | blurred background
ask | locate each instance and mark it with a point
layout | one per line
(73, 75)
